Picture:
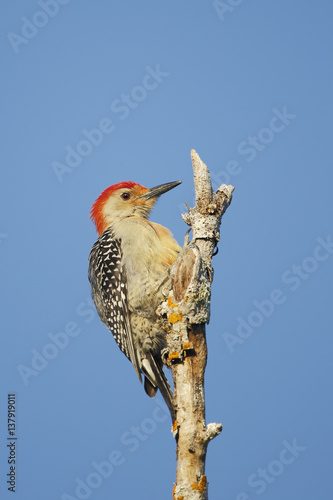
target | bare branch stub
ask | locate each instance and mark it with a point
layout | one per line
(202, 183)
(205, 217)
(188, 311)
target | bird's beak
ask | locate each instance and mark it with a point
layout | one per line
(156, 191)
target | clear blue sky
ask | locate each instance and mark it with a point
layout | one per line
(93, 93)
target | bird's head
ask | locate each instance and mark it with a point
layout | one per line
(125, 199)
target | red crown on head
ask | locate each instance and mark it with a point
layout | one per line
(96, 209)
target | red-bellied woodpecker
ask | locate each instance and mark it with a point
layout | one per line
(127, 266)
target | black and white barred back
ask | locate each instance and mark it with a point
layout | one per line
(108, 282)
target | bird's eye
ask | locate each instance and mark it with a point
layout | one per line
(125, 196)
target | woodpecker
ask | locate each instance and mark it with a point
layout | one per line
(127, 267)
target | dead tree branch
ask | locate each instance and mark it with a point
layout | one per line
(188, 310)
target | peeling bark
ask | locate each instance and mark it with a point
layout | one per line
(188, 310)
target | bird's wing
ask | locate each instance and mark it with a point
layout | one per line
(108, 281)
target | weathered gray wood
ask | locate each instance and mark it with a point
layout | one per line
(188, 310)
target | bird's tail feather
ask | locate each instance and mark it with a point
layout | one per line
(156, 379)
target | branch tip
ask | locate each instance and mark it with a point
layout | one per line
(213, 430)
(226, 190)
(202, 182)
